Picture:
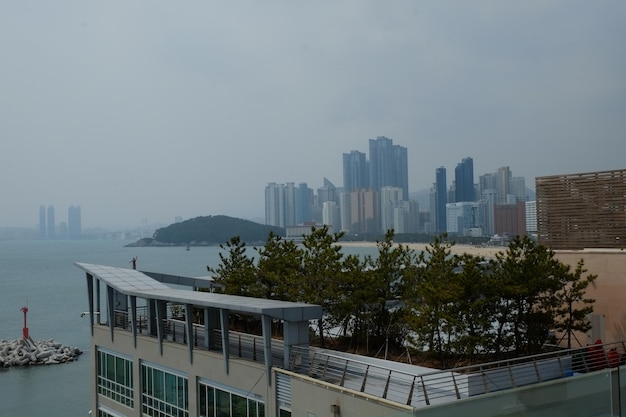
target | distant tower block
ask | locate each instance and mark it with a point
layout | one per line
(25, 329)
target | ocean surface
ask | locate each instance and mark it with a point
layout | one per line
(42, 276)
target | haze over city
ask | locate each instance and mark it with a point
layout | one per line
(154, 110)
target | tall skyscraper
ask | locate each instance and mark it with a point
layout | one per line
(42, 222)
(364, 216)
(327, 192)
(304, 203)
(50, 224)
(502, 184)
(464, 180)
(280, 204)
(517, 187)
(486, 182)
(355, 171)
(74, 228)
(388, 165)
(440, 200)
(390, 199)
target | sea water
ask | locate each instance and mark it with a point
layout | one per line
(41, 275)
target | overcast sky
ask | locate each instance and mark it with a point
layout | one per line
(154, 109)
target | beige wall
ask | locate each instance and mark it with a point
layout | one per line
(609, 289)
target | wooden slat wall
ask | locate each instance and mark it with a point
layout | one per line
(580, 211)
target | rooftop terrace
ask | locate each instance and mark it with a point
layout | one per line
(141, 303)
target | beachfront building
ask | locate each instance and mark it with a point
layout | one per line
(465, 218)
(586, 210)
(159, 350)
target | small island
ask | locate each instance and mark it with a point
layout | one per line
(208, 231)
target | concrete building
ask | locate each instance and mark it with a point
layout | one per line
(356, 174)
(50, 223)
(170, 352)
(464, 180)
(586, 210)
(280, 204)
(440, 201)
(466, 218)
(531, 217)
(510, 219)
(388, 165)
(390, 200)
(74, 223)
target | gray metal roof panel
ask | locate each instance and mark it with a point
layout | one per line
(136, 283)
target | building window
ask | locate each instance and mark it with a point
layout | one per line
(163, 393)
(105, 412)
(220, 402)
(115, 377)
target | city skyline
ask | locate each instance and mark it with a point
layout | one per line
(144, 113)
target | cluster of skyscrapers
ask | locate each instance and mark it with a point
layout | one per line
(48, 229)
(497, 205)
(375, 198)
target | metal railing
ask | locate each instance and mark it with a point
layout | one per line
(240, 345)
(398, 383)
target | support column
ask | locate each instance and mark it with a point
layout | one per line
(189, 330)
(211, 322)
(161, 307)
(133, 318)
(225, 337)
(266, 325)
(90, 298)
(111, 312)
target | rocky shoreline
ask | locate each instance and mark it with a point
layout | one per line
(25, 352)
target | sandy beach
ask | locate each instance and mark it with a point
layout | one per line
(486, 251)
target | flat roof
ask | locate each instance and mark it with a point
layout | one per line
(136, 283)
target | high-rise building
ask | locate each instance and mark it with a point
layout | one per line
(74, 229)
(42, 221)
(388, 165)
(586, 210)
(466, 218)
(330, 215)
(531, 217)
(280, 203)
(503, 177)
(327, 192)
(364, 212)
(50, 224)
(464, 180)
(355, 171)
(406, 217)
(440, 200)
(390, 199)
(304, 203)
(517, 187)
(489, 197)
(510, 219)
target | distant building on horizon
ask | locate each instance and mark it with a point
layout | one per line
(74, 227)
(440, 201)
(464, 180)
(388, 165)
(42, 222)
(355, 171)
(50, 224)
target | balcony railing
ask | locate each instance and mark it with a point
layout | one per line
(400, 384)
(393, 381)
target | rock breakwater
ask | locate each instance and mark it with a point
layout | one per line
(24, 352)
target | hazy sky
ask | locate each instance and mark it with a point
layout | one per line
(153, 109)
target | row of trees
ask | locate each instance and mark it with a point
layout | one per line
(432, 301)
